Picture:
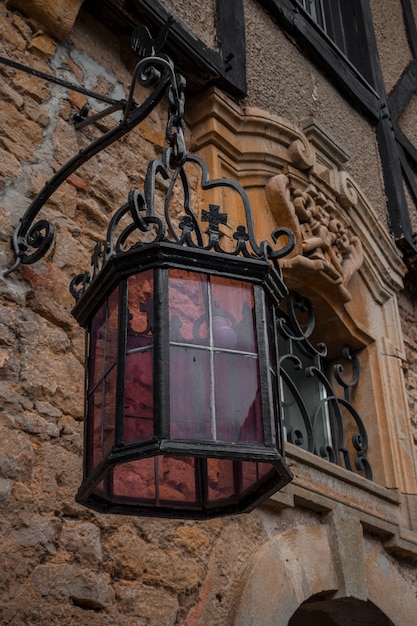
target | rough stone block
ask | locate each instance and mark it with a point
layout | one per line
(85, 588)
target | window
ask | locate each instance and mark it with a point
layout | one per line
(317, 406)
(338, 36)
(343, 23)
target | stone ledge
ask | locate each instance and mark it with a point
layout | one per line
(323, 487)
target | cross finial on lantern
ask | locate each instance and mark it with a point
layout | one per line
(214, 219)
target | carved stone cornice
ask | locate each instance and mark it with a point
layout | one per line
(297, 178)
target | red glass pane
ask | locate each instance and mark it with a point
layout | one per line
(109, 410)
(188, 307)
(138, 402)
(156, 480)
(135, 480)
(190, 393)
(138, 410)
(233, 314)
(220, 480)
(140, 308)
(237, 392)
(94, 428)
(253, 473)
(103, 339)
(101, 420)
(176, 479)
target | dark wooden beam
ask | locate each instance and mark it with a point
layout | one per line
(409, 148)
(410, 26)
(230, 24)
(406, 87)
(390, 153)
(201, 64)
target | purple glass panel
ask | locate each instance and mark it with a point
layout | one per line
(190, 393)
(220, 480)
(109, 410)
(103, 339)
(138, 406)
(135, 480)
(233, 314)
(94, 428)
(138, 415)
(188, 307)
(237, 392)
(176, 479)
(101, 417)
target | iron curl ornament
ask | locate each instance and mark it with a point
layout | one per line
(33, 239)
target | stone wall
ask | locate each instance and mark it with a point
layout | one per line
(63, 564)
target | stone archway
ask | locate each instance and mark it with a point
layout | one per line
(322, 611)
(322, 573)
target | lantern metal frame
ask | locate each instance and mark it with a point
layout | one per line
(141, 236)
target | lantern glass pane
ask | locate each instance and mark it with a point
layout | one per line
(109, 407)
(154, 480)
(176, 479)
(214, 368)
(138, 399)
(135, 480)
(238, 403)
(103, 339)
(190, 393)
(95, 410)
(188, 314)
(253, 472)
(233, 314)
(220, 480)
(102, 375)
(138, 409)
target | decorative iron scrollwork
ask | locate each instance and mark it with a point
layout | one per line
(316, 418)
(145, 224)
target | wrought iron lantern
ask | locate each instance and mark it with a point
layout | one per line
(183, 415)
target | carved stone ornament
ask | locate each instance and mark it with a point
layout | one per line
(323, 242)
(296, 177)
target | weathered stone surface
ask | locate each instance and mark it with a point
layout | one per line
(85, 588)
(10, 166)
(44, 408)
(13, 30)
(82, 541)
(40, 531)
(130, 557)
(36, 425)
(6, 486)
(149, 605)
(57, 476)
(17, 455)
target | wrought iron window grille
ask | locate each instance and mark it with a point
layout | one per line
(316, 416)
